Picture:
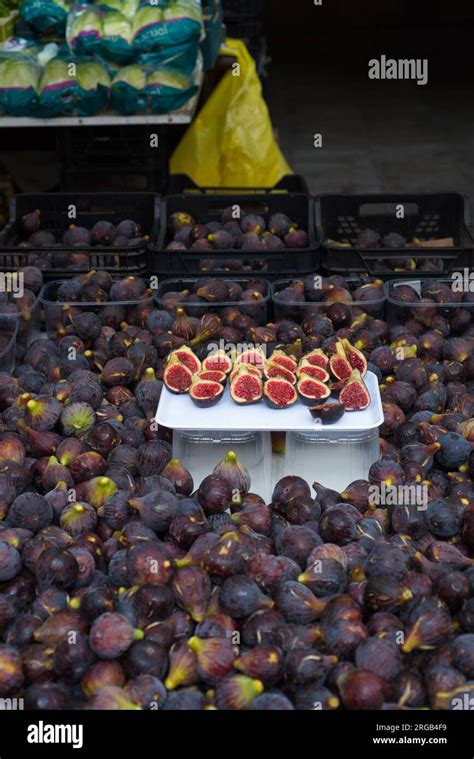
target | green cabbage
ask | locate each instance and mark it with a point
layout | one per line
(84, 23)
(116, 25)
(19, 73)
(56, 76)
(168, 78)
(91, 74)
(132, 75)
(177, 10)
(146, 17)
(127, 8)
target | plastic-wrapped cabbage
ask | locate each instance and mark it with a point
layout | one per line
(84, 29)
(147, 25)
(19, 82)
(58, 88)
(127, 8)
(133, 75)
(168, 89)
(116, 42)
(127, 90)
(93, 88)
(174, 28)
(45, 15)
(163, 77)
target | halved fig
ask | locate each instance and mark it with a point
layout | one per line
(282, 359)
(276, 371)
(212, 376)
(252, 370)
(330, 413)
(246, 388)
(317, 357)
(355, 357)
(355, 396)
(186, 357)
(251, 357)
(218, 361)
(312, 390)
(279, 394)
(177, 377)
(339, 363)
(310, 370)
(205, 393)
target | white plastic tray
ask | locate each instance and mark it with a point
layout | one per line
(178, 412)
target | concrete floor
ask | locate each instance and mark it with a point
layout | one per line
(376, 137)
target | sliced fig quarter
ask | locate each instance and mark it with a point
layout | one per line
(355, 396)
(177, 377)
(339, 363)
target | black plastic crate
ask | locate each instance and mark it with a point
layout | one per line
(90, 207)
(182, 184)
(244, 18)
(112, 158)
(427, 217)
(206, 206)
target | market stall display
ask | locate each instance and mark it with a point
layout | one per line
(81, 406)
(236, 418)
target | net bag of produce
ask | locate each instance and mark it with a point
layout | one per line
(19, 83)
(230, 142)
(45, 15)
(93, 88)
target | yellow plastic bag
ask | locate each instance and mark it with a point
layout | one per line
(231, 142)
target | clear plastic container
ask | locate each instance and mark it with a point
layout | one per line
(29, 323)
(58, 315)
(8, 338)
(427, 300)
(258, 311)
(300, 310)
(200, 452)
(330, 458)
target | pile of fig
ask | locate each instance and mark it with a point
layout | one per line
(234, 231)
(370, 239)
(280, 380)
(75, 243)
(241, 305)
(128, 588)
(124, 584)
